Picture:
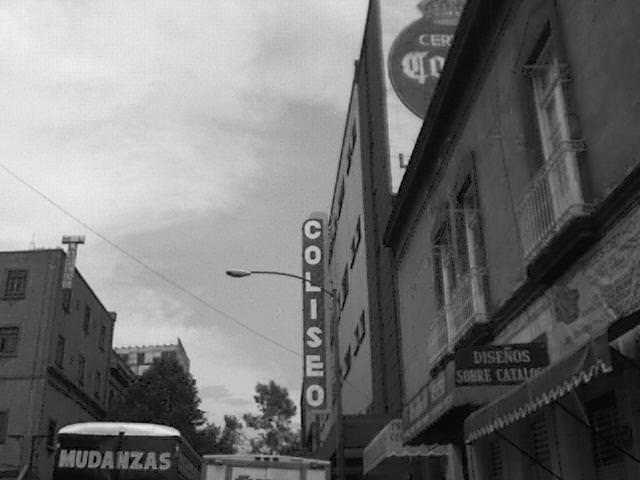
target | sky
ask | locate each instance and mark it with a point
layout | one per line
(196, 136)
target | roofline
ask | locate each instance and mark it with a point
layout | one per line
(118, 428)
(354, 83)
(478, 17)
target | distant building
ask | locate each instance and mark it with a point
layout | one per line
(120, 377)
(140, 358)
(55, 352)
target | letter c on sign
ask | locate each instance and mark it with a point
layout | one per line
(312, 229)
(314, 395)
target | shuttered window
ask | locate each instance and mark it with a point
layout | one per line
(604, 417)
(496, 469)
(541, 441)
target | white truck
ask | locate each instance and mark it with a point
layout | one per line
(263, 467)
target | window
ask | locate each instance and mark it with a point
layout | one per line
(140, 359)
(169, 355)
(443, 265)
(102, 337)
(60, 351)
(86, 323)
(496, 470)
(345, 286)
(82, 363)
(359, 333)
(66, 300)
(97, 387)
(539, 437)
(603, 415)
(347, 362)
(355, 243)
(52, 428)
(16, 286)
(555, 194)
(4, 420)
(9, 341)
(352, 146)
(340, 199)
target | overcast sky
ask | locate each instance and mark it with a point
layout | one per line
(197, 136)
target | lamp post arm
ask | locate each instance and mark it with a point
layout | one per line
(292, 275)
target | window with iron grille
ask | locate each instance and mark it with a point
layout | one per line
(555, 194)
(102, 337)
(9, 341)
(355, 242)
(16, 285)
(60, 351)
(97, 387)
(52, 428)
(345, 286)
(541, 441)
(4, 421)
(347, 361)
(82, 364)
(86, 322)
(496, 468)
(605, 419)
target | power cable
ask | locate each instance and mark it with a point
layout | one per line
(159, 274)
(147, 267)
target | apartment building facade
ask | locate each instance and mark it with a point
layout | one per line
(55, 351)
(140, 357)
(516, 226)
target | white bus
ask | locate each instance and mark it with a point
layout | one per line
(124, 451)
(263, 467)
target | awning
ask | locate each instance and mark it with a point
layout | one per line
(560, 378)
(387, 457)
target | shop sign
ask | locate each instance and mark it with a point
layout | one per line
(313, 297)
(500, 364)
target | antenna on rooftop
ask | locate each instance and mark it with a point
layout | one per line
(72, 242)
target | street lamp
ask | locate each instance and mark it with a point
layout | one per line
(238, 273)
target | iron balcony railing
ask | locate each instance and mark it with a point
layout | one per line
(468, 305)
(553, 198)
(438, 339)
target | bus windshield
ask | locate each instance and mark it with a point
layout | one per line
(122, 451)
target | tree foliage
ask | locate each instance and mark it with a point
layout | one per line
(164, 394)
(225, 440)
(273, 424)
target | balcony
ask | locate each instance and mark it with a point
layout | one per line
(438, 339)
(468, 307)
(552, 200)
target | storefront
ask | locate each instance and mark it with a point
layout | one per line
(577, 419)
(386, 457)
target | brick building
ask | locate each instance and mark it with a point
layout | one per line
(140, 358)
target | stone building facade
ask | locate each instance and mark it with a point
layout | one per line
(517, 222)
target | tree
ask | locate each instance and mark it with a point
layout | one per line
(213, 439)
(164, 394)
(275, 433)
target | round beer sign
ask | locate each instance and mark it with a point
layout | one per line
(418, 53)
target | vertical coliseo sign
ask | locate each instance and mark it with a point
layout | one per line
(313, 311)
(416, 36)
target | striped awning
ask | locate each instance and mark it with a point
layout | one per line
(578, 368)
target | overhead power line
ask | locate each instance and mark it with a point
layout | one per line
(159, 274)
(146, 266)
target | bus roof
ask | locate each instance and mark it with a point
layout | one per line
(246, 459)
(117, 428)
